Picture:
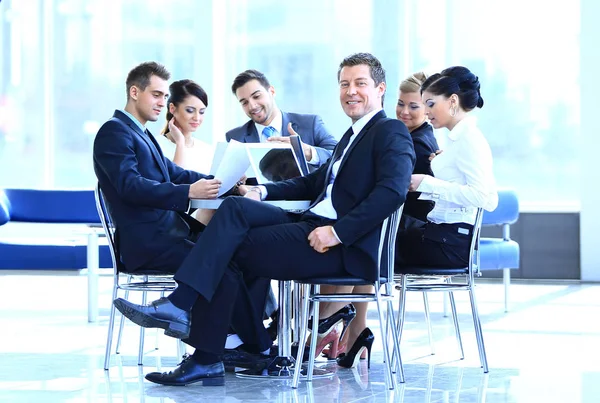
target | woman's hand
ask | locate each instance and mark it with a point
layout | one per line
(435, 154)
(415, 181)
(175, 133)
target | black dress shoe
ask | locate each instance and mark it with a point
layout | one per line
(189, 372)
(238, 358)
(160, 313)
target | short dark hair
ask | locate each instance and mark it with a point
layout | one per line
(456, 80)
(249, 75)
(377, 70)
(140, 75)
(178, 91)
(375, 67)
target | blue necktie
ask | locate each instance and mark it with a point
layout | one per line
(268, 131)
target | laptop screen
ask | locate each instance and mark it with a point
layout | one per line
(273, 162)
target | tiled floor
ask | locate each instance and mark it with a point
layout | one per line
(546, 349)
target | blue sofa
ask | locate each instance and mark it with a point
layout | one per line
(49, 251)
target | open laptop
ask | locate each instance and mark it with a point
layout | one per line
(273, 162)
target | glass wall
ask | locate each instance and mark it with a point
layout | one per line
(63, 64)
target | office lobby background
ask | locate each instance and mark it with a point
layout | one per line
(63, 65)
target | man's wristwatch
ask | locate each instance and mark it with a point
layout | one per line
(256, 189)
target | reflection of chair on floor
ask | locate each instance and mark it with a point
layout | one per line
(429, 279)
(311, 293)
(138, 281)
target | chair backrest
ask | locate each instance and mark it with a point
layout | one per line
(507, 211)
(474, 266)
(52, 206)
(109, 228)
(387, 243)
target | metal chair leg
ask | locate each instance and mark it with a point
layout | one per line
(313, 336)
(478, 330)
(390, 380)
(456, 326)
(396, 342)
(122, 322)
(111, 327)
(506, 281)
(142, 333)
(428, 320)
(303, 335)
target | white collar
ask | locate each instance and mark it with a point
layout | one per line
(276, 123)
(362, 122)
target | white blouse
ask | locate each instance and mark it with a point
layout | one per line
(197, 158)
(464, 178)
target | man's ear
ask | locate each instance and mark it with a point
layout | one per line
(133, 92)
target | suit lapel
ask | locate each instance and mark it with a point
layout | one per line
(360, 136)
(150, 142)
(251, 133)
(285, 119)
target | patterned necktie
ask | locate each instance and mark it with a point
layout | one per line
(268, 131)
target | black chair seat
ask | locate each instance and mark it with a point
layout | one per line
(339, 281)
(431, 271)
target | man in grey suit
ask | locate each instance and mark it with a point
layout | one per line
(269, 124)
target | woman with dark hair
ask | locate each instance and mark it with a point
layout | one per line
(187, 104)
(464, 179)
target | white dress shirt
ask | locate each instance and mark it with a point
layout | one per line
(464, 178)
(325, 207)
(277, 124)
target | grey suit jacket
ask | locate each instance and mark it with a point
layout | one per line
(311, 129)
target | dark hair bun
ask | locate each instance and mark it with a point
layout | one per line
(456, 80)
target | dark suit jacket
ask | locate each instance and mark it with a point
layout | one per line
(371, 184)
(310, 128)
(425, 143)
(146, 193)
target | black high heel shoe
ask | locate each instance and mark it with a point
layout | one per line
(345, 314)
(351, 358)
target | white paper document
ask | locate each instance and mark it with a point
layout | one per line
(233, 165)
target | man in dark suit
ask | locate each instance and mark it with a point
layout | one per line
(268, 123)
(364, 182)
(148, 195)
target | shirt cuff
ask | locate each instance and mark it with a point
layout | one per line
(263, 192)
(428, 188)
(315, 156)
(336, 235)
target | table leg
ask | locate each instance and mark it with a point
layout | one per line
(92, 266)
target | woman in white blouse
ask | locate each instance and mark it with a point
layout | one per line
(187, 105)
(464, 179)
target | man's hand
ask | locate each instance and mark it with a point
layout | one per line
(415, 181)
(205, 189)
(175, 134)
(435, 154)
(305, 147)
(322, 238)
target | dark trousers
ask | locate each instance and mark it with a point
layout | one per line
(247, 239)
(248, 308)
(434, 245)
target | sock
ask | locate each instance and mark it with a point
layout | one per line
(205, 358)
(233, 341)
(184, 297)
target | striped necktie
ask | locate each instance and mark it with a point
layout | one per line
(268, 131)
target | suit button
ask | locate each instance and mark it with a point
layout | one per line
(444, 239)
